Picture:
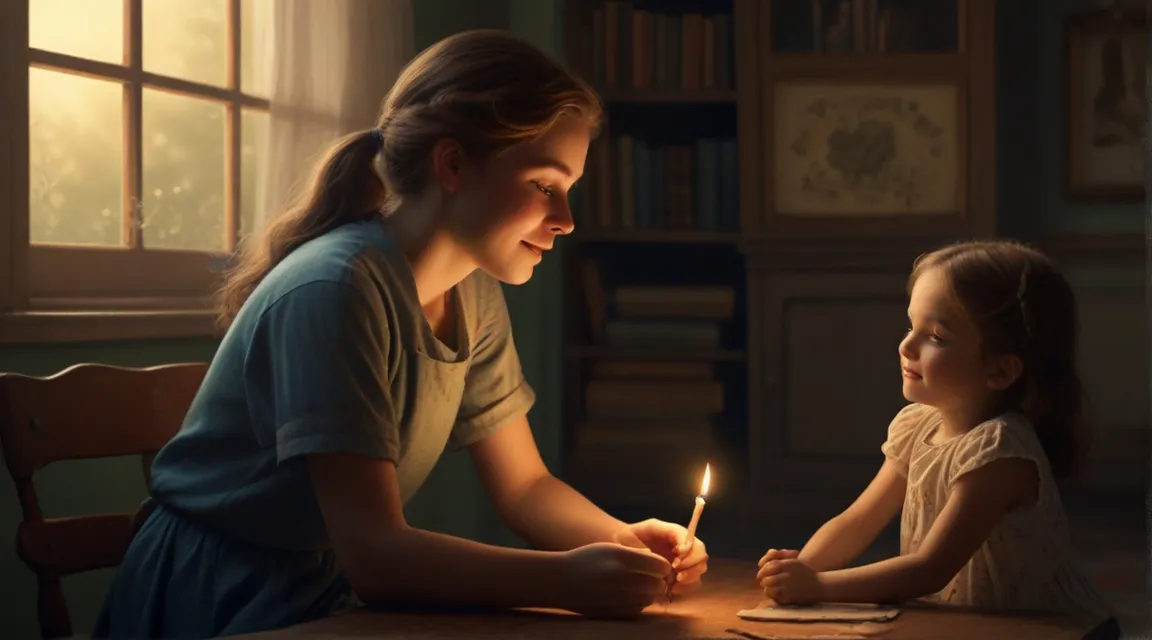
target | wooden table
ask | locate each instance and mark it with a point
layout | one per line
(709, 614)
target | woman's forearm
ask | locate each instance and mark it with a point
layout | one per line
(413, 566)
(553, 515)
(892, 580)
(836, 544)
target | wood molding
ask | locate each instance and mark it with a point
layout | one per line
(43, 327)
(835, 254)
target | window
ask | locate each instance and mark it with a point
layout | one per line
(133, 165)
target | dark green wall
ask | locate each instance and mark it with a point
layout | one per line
(1032, 128)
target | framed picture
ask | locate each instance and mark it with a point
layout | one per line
(869, 149)
(1107, 107)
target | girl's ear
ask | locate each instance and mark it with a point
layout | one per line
(1004, 371)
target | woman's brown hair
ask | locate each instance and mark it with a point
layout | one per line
(1023, 306)
(487, 90)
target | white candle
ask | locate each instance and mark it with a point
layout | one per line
(695, 519)
(692, 524)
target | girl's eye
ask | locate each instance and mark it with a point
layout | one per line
(543, 189)
(936, 339)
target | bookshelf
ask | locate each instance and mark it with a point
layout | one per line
(730, 237)
(656, 342)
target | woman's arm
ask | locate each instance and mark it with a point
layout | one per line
(978, 501)
(843, 538)
(536, 505)
(387, 561)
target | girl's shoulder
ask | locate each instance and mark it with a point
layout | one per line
(905, 430)
(1006, 436)
(1009, 431)
(912, 419)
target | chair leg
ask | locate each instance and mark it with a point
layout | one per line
(52, 609)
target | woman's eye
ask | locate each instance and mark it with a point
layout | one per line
(543, 189)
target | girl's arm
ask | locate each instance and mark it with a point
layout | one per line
(386, 560)
(843, 538)
(979, 499)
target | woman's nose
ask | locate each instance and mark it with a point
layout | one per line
(561, 222)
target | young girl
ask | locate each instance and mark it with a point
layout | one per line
(988, 364)
(367, 333)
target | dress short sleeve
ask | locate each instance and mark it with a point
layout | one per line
(495, 390)
(902, 435)
(317, 370)
(1003, 437)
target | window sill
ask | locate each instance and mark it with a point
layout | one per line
(42, 327)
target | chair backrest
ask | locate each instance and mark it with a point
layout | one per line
(85, 411)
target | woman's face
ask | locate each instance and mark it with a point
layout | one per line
(508, 210)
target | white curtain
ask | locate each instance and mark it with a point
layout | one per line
(329, 65)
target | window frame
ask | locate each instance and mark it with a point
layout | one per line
(63, 293)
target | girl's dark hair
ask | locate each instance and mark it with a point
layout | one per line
(486, 89)
(1024, 306)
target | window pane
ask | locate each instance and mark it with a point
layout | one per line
(183, 142)
(75, 158)
(92, 29)
(187, 39)
(255, 46)
(253, 136)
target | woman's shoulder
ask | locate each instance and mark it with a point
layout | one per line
(358, 255)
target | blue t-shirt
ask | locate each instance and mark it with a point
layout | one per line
(331, 353)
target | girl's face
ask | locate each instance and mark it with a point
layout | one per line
(941, 357)
(507, 211)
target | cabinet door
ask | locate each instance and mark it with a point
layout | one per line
(828, 374)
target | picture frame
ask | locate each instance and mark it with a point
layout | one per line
(869, 149)
(1107, 104)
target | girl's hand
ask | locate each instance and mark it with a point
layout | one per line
(790, 581)
(778, 554)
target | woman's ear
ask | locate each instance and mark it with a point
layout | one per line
(1004, 371)
(447, 161)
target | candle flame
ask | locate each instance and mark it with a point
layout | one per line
(707, 480)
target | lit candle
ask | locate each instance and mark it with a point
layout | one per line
(698, 510)
(691, 538)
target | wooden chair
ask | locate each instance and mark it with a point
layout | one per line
(85, 411)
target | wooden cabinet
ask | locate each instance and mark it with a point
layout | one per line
(863, 144)
(887, 132)
(824, 330)
(855, 147)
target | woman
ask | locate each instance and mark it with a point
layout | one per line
(367, 331)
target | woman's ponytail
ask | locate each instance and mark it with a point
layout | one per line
(345, 187)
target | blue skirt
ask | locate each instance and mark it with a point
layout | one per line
(182, 580)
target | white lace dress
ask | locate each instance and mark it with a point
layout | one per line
(1027, 563)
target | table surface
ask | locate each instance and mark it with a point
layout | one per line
(710, 613)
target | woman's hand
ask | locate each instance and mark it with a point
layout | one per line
(689, 558)
(605, 580)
